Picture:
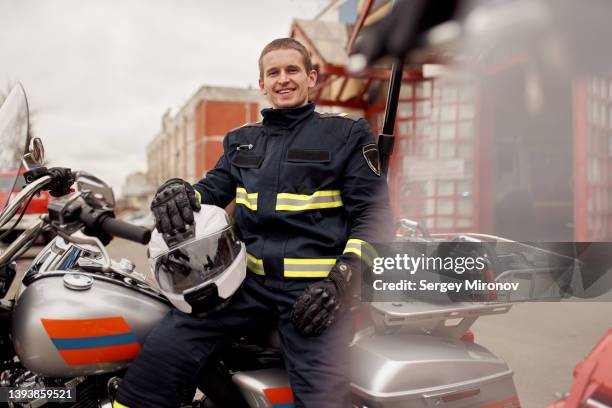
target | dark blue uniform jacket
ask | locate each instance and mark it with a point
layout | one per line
(307, 192)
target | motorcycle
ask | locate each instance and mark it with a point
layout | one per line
(77, 317)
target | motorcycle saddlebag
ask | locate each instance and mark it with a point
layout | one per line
(422, 371)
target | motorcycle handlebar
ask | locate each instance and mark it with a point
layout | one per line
(126, 230)
(13, 206)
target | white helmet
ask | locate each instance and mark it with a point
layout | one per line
(201, 269)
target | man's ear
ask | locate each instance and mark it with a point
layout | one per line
(312, 78)
(261, 86)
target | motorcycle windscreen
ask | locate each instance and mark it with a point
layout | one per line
(196, 262)
(13, 140)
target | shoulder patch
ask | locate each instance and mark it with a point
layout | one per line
(348, 116)
(372, 158)
(248, 124)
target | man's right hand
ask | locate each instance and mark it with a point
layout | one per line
(173, 206)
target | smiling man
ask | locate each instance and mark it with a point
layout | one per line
(309, 196)
(286, 74)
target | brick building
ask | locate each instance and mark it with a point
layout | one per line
(189, 142)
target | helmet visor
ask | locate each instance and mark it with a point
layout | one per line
(196, 262)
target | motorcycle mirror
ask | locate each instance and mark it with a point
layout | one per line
(35, 157)
(38, 150)
(96, 192)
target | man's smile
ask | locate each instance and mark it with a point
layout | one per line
(285, 91)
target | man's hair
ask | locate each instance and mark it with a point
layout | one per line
(286, 44)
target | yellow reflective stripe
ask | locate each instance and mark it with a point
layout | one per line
(352, 251)
(306, 274)
(302, 261)
(249, 195)
(257, 271)
(307, 267)
(255, 265)
(318, 199)
(249, 200)
(246, 204)
(362, 249)
(256, 261)
(322, 193)
(312, 206)
(117, 404)
(199, 196)
(356, 241)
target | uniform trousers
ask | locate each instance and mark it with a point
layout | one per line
(180, 345)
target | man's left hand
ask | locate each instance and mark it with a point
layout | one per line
(317, 308)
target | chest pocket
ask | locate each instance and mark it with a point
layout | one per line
(247, 164)
(246, 160)
(308, 156)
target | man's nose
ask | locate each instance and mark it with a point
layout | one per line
(283, 77)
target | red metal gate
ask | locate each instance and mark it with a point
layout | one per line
(593, 159)
(434, 166)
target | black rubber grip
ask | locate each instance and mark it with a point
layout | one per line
(126, 230)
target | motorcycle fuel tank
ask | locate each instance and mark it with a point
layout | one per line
(71, 324)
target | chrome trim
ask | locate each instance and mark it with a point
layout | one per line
(21, 240)
(13, 205)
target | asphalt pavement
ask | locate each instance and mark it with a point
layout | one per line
(541, 342)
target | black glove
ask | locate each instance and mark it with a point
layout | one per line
(317, 308)
(173, 206)
(61, 180)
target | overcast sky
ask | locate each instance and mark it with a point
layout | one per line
(99, 74)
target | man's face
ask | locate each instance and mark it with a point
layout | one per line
(285, 81)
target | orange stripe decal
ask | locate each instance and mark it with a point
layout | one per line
(512, 402)
(71, 329)
(101, 354)
(282, 395)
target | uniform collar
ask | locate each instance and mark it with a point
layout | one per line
(288, 117)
